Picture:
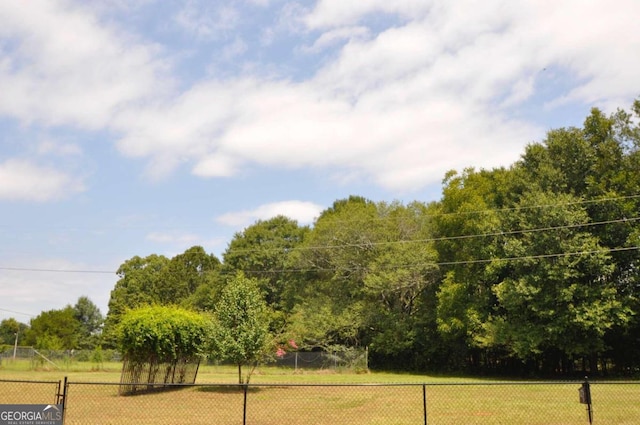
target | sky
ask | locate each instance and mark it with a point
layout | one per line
(138, 127)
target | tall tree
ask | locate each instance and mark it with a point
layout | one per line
(262, 251)
(90, 318)
(54, 330)
(335, 258)
(557, 300)
(156, 279)
(11, 330)
(185, 273)
(140, 284)
(466, 227)
(399, 287)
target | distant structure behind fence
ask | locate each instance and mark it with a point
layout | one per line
(349, 360)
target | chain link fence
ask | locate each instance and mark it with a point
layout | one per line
(485, 403)
(30, 392)
(355, 360)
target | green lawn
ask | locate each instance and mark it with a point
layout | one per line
(279, 396)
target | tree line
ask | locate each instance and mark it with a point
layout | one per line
(527, 269)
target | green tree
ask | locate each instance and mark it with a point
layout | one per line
(241, 330)
(558, 299)
(139, 285)
(54, 330)
(8, 330)
(157, 279)
(399, 287)
(90, 318)
(334, 258)
(466, 223)
(262, 251)
(185, 273)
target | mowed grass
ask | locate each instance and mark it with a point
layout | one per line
(279, 396)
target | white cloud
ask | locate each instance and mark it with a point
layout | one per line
(333, 37)
(65, 67)
(303, 212)
(396, 106)
(22, 180)
(333, 13)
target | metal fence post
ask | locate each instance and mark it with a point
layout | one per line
(424, 402)
(61, 397)
(585, 398)
(244, 407)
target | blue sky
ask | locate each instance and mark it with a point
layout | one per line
(132, 127)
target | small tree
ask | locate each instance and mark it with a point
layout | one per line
(241, 328)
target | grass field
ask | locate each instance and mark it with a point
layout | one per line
(279, 396)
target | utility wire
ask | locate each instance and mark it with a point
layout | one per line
(497, 210)
(359, 245)
(455, 263)
(381, 218)
(17, 312)
(444, 263)
(32, 269)
(369, 244)
(438, 239)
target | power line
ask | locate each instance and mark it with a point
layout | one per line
(383, 243)
(439, 239)
(17, 312)
(454, 263)
(444, 263)
(361, 245)
(506, 209)
(32, 269)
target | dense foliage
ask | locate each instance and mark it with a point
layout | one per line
(530, 269)
(163, 334)
(73, 327)
(527, 269)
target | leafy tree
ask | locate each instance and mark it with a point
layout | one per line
(163, 334)
(400, 284)
(8, 330)
(185, 273)
(54, 330)
(207, 294)
(157, 279)
(563, 304)
(139, 283)
(91, 320)
(262, 251)
(337, 254)
(241, 330)
(371, 281)
(466, 222)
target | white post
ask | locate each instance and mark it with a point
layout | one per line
(15, 347)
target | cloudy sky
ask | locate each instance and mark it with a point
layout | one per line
(132, 127)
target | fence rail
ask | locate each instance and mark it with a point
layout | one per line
(514, 403)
